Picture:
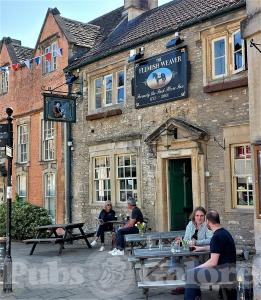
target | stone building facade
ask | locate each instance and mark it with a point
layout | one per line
(39, 151)
(173, 155)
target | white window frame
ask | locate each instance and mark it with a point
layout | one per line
(18, 186)
(235, 189)
(214, 76)
(114, 90)
(4, 82)
(109, 90)
(50, 66)
(120, 87)
(48, 141)
(103, 180)
(128, 191)
(233, 52)
(49, 192)
(21, 144)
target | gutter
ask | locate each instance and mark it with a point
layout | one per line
(156, 35)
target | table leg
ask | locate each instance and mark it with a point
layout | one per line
(33, 247)
(61, 248)
(85, 238)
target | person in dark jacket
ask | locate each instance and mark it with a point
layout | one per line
(106, 214)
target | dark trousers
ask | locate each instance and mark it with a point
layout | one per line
(102, 229)
(120, 235)
(194, 277)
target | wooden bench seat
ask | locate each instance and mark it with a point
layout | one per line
(43, 240)
(146, 285)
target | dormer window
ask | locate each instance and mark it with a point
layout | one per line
(108, 89)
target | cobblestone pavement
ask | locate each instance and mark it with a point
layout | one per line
(79, 273)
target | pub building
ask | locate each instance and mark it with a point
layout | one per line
(164, 116)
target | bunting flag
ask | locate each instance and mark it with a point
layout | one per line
(38, 60)
(48, 56)
(27, 63)
(15, 67)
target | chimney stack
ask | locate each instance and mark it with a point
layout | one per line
(134, 8)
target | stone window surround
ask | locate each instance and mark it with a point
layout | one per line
(50, 169)
(22, 121)
(4, 84)
(226, 29)
(111, 68)
(20, 171)
(113, 150)
(41, 160)
(234, 134)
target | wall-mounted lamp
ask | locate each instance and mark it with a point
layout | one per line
(136, 54)
(175, 42)
(168, 135)
(70, 78)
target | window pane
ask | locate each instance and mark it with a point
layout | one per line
(219, 48)
(237, 41)
(122, 196)
(220, 66)
(120, 81)
(108, 82)
(108, 97)
(121, 95)
(98, 101)
(122, 184)
(127, 172)
(121, 172)
(238, 60)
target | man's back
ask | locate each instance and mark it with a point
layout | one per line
(223, 244)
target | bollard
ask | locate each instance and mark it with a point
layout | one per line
(2, 254)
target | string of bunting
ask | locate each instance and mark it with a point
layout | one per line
(38, 60)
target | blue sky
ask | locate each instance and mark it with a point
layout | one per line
(22, 19)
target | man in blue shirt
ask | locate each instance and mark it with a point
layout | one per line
(221, 265)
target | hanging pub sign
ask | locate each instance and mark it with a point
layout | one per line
(59, 108)
(162, 78)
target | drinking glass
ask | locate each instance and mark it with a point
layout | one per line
(160, 244)
(149, 242)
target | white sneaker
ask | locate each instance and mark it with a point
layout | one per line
(93, 243)
(114, 250)
(101, 249)
(118, 252)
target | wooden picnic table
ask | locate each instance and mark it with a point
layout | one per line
(49, 234)
(164, 254)
(153, 235)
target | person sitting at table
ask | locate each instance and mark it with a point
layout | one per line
(129, 228)
(196, 233)
(221, 267)
(106, 214)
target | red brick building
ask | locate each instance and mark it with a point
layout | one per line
(39, 151)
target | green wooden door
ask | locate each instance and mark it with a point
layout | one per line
(180, 193)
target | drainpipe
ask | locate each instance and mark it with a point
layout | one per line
(68, 164)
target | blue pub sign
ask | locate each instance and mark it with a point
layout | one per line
(162, 78)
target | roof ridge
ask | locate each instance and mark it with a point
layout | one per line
(79, 22)
(102, 16)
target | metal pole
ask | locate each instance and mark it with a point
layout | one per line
(7, 284)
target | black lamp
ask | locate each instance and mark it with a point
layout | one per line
(174, 42)
(134, 55)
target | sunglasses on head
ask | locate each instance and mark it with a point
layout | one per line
(108, 204)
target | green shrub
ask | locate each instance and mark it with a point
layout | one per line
(25, 218)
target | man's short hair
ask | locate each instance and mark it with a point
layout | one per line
(213, 217)
(131, 201)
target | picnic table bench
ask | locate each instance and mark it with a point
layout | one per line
(49, 234)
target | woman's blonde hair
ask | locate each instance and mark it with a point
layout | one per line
(198, 208)
(106, 203)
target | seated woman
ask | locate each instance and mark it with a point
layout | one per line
(106, 214)
(196, 234)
